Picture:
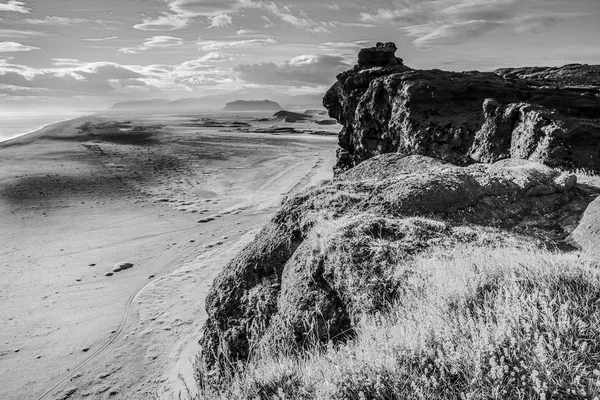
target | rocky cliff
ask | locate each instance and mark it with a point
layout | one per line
(325, 258)
(336, 252)
(548, 115)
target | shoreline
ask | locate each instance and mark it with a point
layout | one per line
(40, 131)
(177, 207)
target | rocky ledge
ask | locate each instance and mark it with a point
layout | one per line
(548, 115)
(306, 276)
(332, 252)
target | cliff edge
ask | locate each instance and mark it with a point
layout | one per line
(547, 115)
(431, 163)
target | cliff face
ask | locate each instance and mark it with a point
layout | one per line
(534, 114)
(327, 255)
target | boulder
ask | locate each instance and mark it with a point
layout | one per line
(291, 117)
(382, 55)
(586, 236)
(326, 256)
(463, 117)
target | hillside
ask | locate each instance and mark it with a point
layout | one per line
(451, 257)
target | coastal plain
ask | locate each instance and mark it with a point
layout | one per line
(177, 196)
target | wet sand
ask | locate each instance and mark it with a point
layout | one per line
(175, 200)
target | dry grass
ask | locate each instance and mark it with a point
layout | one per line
(473, 323)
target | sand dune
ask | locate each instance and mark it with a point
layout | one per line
(73, 204)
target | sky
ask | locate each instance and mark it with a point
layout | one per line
(92, 53)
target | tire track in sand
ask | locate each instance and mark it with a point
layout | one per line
(114, 337)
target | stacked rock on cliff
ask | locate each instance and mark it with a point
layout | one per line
(462, 118)
(326, 256)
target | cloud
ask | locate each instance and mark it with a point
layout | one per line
(15, 6)
(9, 47)
(292, 16)
(68, 78)
(305, 70)
(451, 33)
(245, 32)
(385, 15)
(153, 42)
(66, 21)
(448, 22)
(19, 33)
(215, 56)
(220, 21)
(182, 12)
(211, 45)
(101, 39)
(165, 22)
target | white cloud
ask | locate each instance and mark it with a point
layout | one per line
(245, 32)
(19, 33)
(15, 6)
(211, 45)
(448, 22)
(215, 56)
(153, 42)
(165, 22)
(220, 21)
(305, 70)
(70, 77)
(101, 39)
(451, 33)
(67, 21)
(182, 12)
(9, 47)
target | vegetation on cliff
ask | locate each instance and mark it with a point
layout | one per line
(416, 273)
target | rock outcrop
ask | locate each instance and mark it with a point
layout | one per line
(462, 118)
(326, 256)
(290, 116)
(587, 234)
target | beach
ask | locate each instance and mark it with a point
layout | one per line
(174, 196)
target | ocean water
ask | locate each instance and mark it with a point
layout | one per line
(16, 124)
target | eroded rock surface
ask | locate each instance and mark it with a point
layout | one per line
(535, 114)
(587, 234)
(326, 256)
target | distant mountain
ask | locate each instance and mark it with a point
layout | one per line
(252, 105)
(218, 101)
(141, 105)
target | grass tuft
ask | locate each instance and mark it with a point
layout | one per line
(472, 322)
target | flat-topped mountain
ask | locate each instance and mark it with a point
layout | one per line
(140, 105)
(218, 101)
(252, 105)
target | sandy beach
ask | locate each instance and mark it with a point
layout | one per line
(172, 197)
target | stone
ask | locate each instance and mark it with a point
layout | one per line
(308, 271)
(464, 117)
(586, 235)
(122, 266)
(382, 55)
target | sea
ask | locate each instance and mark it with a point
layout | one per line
(14, 124)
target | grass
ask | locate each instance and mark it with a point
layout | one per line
(472, 322)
